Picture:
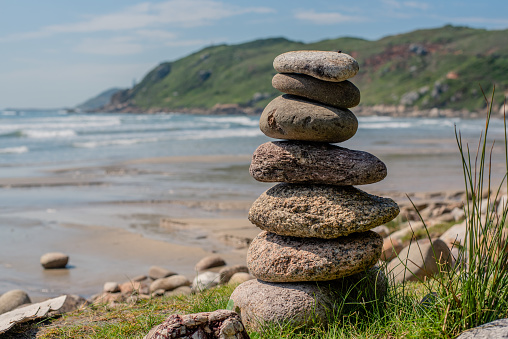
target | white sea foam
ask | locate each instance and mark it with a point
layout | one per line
(218, 134)
(9, 113)
(391, 124)
(116, 142)
(244, 121)
(14, 150)
(43, 134)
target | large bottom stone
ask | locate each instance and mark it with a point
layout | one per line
(304, 304)
(276, 258)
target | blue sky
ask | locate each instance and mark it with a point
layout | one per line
(57, 53)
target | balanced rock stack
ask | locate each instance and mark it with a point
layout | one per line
(316, 225)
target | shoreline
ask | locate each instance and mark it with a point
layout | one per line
(394, 111)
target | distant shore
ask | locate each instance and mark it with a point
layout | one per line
(363, 111)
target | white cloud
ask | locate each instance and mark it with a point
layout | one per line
(394, 4)
(180, 13)
(329, 18)
(112, 46)
(155, 34)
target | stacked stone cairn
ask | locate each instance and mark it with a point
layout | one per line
(316, 225)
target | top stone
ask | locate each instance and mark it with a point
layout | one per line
(327, 66)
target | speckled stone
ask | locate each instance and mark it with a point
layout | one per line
(276, 258)
(260, 303)
(337, 94)
(296, 118)
(324, 65)
(317, 163)
(304, 303)
(321, 211)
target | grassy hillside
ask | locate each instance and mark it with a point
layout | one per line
(426, 68)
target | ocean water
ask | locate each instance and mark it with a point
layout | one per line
(41, 138)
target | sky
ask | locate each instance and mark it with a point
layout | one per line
(59, 53)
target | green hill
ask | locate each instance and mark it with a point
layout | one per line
(428, 68)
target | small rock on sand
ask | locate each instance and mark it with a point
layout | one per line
(54, 260)
(169, 283)
(210, 261)
(157, 272)
(227, 272)
(111, 287)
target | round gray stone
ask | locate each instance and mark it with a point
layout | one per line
(169, 283)
(260, 303)
(210, 261)
(227, 272)
(276, 258)
(12, 299)
(295, 118)
(337, 94)
(301, 304)
(316, 163)
(322, 211)
(157, 272)
(54, 260)
(494, 329)
(324, 65)
(419, 260)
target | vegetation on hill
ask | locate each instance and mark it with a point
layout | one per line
(428, 68)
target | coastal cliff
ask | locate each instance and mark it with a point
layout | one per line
(431, 72)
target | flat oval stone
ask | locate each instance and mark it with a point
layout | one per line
(317, 163)
(324, 65)
(295, 118)
(337, 94)
(275, 258)
(321, 211)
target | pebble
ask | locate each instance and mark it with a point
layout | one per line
(227, 272)
(276, 258)
(316, 163)
(337, 94)
(417, 261)
(182, 290)
(205, 280)
(295, 118)
(111, 287)
(54, 260)
(322, 211)
(324, 65)
(169, 283)
(156, 272)
(240, 277)
(210, 261)
(13, 299)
